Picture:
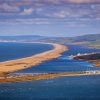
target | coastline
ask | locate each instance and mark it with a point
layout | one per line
(96, 62)
(90, 57)
(26, 78)
(19, 64)
(23, 63)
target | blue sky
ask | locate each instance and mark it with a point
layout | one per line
(49, 17)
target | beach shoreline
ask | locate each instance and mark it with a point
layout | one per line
(23, 63)
(27, 78)
(6, 77)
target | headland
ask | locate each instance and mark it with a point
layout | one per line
(91, 57)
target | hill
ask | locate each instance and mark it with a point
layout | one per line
(34, 38)
(92, 40)
(88, 38)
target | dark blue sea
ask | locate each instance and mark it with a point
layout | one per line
(10, 51)
(62, 88)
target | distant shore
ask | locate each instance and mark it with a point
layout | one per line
(91, 57)
(23, 63)
(25, 78)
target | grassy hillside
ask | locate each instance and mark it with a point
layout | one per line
(86, 38)
(92, 40)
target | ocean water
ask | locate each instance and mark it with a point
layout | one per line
(65, 63)
(10, 51)
(62, 88)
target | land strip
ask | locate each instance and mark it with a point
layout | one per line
(23, 63)
(24, 78)
(91, 57)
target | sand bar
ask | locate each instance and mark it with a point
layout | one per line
(23, 78)
(19, 64)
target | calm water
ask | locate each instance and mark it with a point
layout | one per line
(63, 88)
(9, 51)
(64, 63)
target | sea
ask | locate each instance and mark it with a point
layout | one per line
(13, 50)
(62, 88)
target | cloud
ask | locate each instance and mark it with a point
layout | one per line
(82, 1)
(69, 9)
(46, 2)
(45, 21)
(5, 8)
(27, 11)
(60, 1)
(25, 21)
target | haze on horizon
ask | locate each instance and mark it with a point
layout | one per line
(49, 17)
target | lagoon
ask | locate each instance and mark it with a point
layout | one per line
(64, 62)
(62, 88)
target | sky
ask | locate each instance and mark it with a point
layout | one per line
(49, 17)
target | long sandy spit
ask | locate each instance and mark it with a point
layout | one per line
(23, 63)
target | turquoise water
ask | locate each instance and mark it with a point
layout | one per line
(9, 51)
(63, 88)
